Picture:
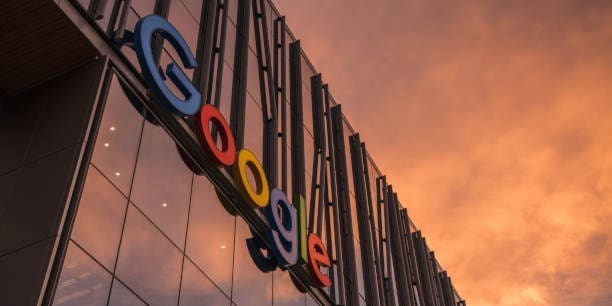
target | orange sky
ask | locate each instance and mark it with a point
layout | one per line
(503, 111)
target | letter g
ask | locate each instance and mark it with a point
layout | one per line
(143, 36)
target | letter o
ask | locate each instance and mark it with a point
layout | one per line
(227, 154)
(258, 197)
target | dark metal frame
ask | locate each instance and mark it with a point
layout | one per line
(318, 196)
(334, 209)
(50, 286)
(363, 222)
(280, 82)
(397, 249)
(239, 83)
(207, 48)
(298, 184)
(420, 247)
(411, 260)
(267, 90)
(373, 225)
(345, 224)
(219, 39)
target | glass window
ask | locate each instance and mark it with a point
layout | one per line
(130, 24)
(285, 292)
(359, 267)
(309, 151)
(415, 290)
(336, 293)
(253, 131)
(104, 18)
(310, 301)
(225, 105)
(354, 216)
(118, 137)
(148, 263)
(194, 7)
(162, 183)
(83, 281)
(232, 11)
(332, 230)
(349, 171)
(307, 106)
(84, 3)
(251, 286)
(230, 44)
(122, 296)
(307, 72)
(347, 132)
(210, 240)
(308, 195)
(372, 175)
(288, 40)
(289, 190)
(391, 276)
(253, 79)
(251, 32)
(99, 219)
(143, 7)
(383, 219)
(197, 289)
(186, 20)
(271, 17)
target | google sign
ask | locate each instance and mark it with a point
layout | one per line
(287, 240)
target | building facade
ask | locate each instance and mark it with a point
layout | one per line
(108, 196)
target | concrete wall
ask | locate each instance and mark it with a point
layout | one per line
(42, 136)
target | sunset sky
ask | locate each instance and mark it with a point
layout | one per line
(500, 115)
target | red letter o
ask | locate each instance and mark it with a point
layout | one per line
(227, 154)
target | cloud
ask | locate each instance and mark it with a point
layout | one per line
(502, 109)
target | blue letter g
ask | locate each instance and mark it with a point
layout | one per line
(143, 36)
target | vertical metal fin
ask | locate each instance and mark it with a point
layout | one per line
(346, 227)
(318, 203)
(219, 40)
(205, 48)
(280, 81)
(267, 90)
(375, 238)
(334, 204)
(399, 262)
(422, 264)
(298, 185)
(239, 82)
(363, 222)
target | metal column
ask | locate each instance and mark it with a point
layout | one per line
(334, 207)
(239, 83)
(206, 48)
(375, 238)
(397, 248)
(346, 227)
(298, 184)
(421, 255)
(363, 223)
(267, 90)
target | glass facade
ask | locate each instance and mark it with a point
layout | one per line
(148, 231)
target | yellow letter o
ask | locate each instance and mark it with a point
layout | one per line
(259, 196)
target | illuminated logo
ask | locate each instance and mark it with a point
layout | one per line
(286, 243)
